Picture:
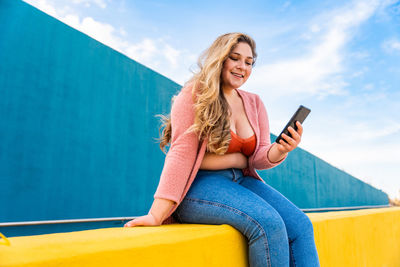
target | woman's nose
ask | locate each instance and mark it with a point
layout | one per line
(241, 64)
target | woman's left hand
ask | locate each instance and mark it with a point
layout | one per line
(146, 220)
(291, 142)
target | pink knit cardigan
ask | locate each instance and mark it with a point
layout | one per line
(186, 152)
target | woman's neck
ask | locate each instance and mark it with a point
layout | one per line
(229, 92)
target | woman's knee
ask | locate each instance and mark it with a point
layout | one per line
(306, 224)
(302, 226)
(268, 223)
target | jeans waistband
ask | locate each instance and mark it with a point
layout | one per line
(231, 172)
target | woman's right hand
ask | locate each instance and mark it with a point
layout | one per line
(146, 220)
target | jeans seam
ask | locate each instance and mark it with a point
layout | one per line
(291, 252)
(240, 213)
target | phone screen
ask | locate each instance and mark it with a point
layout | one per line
(300, 115)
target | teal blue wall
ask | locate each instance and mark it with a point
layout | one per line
(77, 132)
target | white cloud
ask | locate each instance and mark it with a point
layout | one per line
(359, 72)
(122, 31)
(359, 55)
(154, 53)
(365, 132)
(102, 32)
(88, 3)
(315, 28)
(44, 6)
(162, 57)
(392, 45)
(171, 54)
(368, 87)
(144, 51)
(317, 71)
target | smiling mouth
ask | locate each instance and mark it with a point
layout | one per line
(237, 75)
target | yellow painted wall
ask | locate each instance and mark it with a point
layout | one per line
(346, 238)
(358, 238)
(169, 245)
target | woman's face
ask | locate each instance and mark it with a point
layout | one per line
(237, 67)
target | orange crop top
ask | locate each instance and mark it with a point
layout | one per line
(238, 144)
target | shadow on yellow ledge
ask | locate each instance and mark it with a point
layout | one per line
(345, 238)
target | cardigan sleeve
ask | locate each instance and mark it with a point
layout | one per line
(261, 160)
(182, 153)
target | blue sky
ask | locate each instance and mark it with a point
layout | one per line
(340, 58)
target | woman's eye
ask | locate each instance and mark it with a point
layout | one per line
(234, 58)
(249, 63)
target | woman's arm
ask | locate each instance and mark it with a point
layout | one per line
(178, 162)
(267, 156)
(212, 161)
(161, 207)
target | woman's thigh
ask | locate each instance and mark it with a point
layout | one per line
(217, 199)
(296, 221)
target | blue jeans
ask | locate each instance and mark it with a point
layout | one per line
(278, 232)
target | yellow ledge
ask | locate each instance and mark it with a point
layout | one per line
(346, 238)
(358, 238)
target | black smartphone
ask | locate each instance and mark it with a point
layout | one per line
(300, 115)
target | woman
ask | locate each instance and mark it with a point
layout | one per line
(219, 135)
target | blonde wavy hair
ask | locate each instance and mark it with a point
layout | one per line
(212, 111)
